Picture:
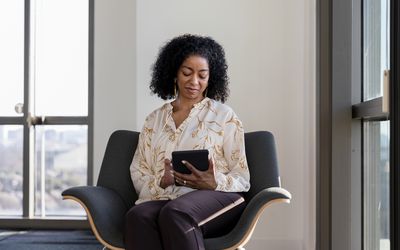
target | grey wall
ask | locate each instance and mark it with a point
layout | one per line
(270, 48)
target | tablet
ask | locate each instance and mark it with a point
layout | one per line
(198, 158)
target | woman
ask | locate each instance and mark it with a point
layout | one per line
(191, 70)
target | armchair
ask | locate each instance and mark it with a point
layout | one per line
(107, 203)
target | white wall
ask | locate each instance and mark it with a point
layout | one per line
(270, 48)
(114, 72)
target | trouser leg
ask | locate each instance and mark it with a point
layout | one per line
(178, 219)
(141, 226)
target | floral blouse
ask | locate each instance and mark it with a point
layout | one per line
(210, 125)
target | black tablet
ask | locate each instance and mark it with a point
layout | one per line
(198, 158)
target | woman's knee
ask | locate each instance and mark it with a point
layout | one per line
(140, 214)
(171, 213)
(133, 216)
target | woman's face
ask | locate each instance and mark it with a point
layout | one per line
(192, 78)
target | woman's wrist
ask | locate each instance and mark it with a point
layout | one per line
(214, 186)
(162, 183)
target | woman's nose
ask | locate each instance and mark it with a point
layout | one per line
(194, 79)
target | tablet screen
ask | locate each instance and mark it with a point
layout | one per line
(198, 158)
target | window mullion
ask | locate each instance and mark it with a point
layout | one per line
(27, 191)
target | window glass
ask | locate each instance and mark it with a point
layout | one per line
(61, 163)
(11, 56)
(376, 186)
(59, 38)
(376, 46)
(11, 163)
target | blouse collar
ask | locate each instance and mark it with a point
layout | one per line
(198, 105)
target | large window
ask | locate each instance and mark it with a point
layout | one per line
(45, 106)
(358, 175)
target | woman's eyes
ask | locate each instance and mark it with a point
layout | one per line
(202, 76)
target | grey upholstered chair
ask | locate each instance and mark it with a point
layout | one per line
(107, 203)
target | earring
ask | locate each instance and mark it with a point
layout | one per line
(175, 88)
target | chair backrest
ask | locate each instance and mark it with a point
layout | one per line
(262, 161)
(114, 173)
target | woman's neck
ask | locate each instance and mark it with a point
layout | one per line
(181, 104)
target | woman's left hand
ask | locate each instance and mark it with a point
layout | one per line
(197, 179)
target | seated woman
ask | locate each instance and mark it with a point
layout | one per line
(192, 70)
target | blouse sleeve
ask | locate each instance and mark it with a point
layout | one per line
(144, 178)
(238, 178)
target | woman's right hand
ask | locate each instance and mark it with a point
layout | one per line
(168, 177)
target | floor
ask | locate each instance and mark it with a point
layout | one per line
(48, 239)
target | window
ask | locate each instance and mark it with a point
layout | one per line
(358, 198)
(45, 105)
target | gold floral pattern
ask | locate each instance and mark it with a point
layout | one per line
(210, 125)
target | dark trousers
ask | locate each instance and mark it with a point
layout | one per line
(168, 225)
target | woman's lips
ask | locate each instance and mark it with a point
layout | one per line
(191, 90)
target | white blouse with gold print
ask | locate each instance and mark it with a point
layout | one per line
(210, 125)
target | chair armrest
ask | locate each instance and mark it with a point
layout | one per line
(105, 210)
(241, 233)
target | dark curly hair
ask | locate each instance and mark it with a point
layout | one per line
(177, 50)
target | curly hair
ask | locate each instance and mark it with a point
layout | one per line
(177, 50)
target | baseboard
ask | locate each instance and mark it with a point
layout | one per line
(262, 244)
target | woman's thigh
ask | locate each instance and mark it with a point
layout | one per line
(201, 204)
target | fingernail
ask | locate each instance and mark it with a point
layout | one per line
(184, 162)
